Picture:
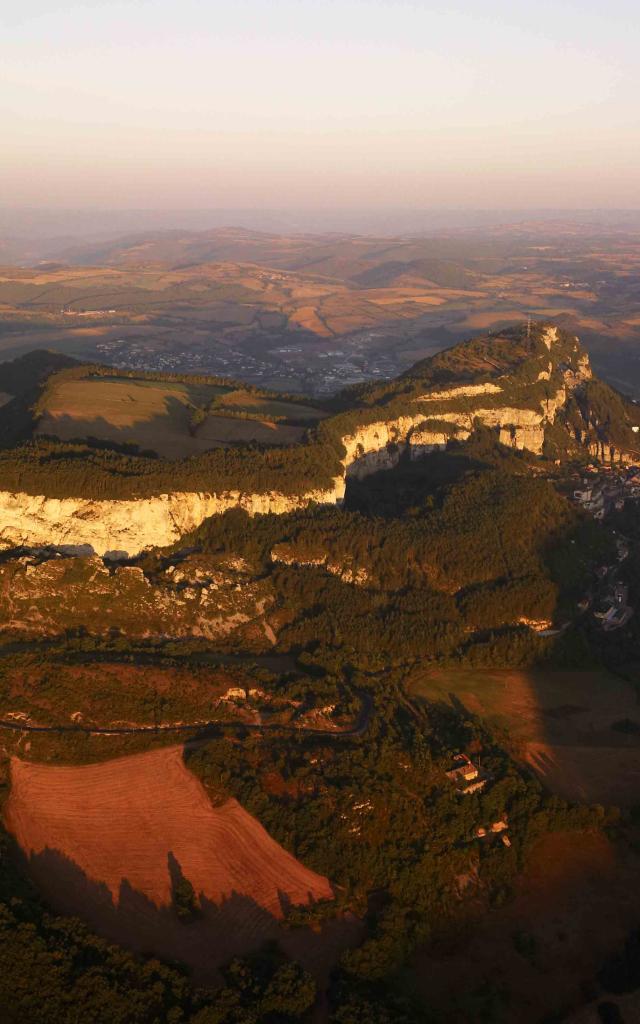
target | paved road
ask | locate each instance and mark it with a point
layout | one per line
(357, 729)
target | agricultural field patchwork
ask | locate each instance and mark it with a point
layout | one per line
(313, 313)
(158, 415)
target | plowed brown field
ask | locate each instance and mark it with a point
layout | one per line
(104, 841)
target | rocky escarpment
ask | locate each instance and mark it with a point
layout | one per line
(517, 411)
(380, 445)
(127, 527)
(51, 596)
(519, 405)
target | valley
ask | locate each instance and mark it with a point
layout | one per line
(242, 675)
(313, 313)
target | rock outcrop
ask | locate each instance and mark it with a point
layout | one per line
(433, 417)
(47, 598)
(127, 527)
(285, 554)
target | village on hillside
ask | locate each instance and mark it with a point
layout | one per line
(604, 491)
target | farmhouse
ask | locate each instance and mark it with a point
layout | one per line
(462, 769)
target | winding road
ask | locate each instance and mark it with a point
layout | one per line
(357, 729)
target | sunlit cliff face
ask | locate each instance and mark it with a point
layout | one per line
(129, 526)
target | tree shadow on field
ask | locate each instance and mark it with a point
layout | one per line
(167, 434)
(160, 434)
(190, 930)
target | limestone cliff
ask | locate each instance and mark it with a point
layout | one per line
(519, 404)
(130, 526)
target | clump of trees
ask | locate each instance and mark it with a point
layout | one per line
(53, 968)
(377, 813)
(450, 555)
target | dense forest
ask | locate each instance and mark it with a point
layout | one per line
(439, 560)
(84, 470)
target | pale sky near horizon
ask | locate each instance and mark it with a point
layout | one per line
(319, 103)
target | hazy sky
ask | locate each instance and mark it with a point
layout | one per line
(339, 103)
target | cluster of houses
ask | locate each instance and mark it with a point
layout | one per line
(468, 778)
(465, 775)
(608, 490)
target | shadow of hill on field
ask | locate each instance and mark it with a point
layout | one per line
(572, 727)
(167, 434)
(202, 941)
(574, 902)
(537, 956)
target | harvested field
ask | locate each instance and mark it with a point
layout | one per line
(153, 415)
(121, 403)
(246, 401)
(108, 842)
(218, 431)
(579, 731)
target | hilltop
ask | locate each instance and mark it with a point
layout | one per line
(94, 437)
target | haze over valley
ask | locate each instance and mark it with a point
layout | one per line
(315, 313)
(319, 512)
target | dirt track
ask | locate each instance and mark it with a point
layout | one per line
(103, 842)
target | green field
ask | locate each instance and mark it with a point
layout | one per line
(157, 415)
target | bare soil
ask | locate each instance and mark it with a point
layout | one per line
(107, 842)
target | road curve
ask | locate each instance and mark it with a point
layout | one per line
(357, 729)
